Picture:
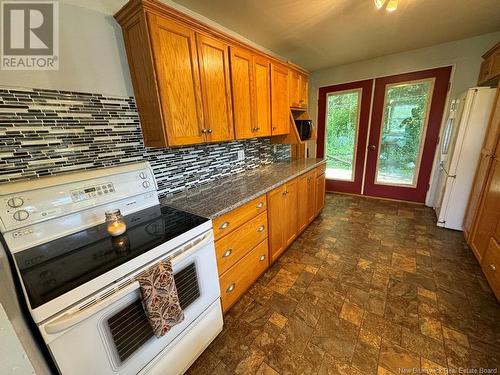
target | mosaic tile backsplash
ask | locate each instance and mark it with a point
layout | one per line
(47, 132)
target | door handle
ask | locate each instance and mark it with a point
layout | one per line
(372, 147)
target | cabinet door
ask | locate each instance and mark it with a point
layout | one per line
(291, 216)
(320, 193)
(216, 88)
(280, 109)
(303, 202)
(311, 196)
(303, 91)
(489, 212)
(276, 221)
(294, 88)
(177, 75)
(262, 74)
(243, 92)
(306, 200)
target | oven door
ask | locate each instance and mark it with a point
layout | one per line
(110, 334)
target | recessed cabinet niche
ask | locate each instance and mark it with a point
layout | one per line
(195, 84)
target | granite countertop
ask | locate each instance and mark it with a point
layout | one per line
(218, 197)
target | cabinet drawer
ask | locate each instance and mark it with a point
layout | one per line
(242, 275)
(231, 248)
(227, 223)
(491, 266)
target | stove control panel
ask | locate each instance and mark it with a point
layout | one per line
(91, 192)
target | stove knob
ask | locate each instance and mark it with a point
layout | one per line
(15, 202)
(143, 175)
(21, 215)
(146, 184)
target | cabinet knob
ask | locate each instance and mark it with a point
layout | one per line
(224, 225)
(261, 228)
(227, 253)
(274, 127)
(230, 288)
(262, 257)
(260, 205)
(209, 131)
(493, 267)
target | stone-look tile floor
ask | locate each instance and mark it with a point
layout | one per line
(371, 287)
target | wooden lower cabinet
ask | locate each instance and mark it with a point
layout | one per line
(320, 192)
(235, 281)
(252, 236)
(282, 217)
(231, 248)
(491, 265)
(488, 214)
(306, 210)
(226, 223)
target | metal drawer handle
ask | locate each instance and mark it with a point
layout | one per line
(224, 225)
(230, 288)
(227, 253)
(262, 257)
(261, 228)
(260, 205)
(493, 267)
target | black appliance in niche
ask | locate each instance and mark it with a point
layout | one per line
(304, 128)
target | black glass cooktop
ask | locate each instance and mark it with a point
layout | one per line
(56, 267)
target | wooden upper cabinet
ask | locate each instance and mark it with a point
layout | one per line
(177, 77)
(181, 71)
(303, 90)
(490, 68)
(280, 108)
(294, 87)
(262, 90)
(213, 56)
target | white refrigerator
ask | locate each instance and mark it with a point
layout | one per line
(460, 146)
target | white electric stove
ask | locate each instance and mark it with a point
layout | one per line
(79, 282)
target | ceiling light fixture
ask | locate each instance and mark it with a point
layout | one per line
(389, 5)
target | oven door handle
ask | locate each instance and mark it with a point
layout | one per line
(68, 320)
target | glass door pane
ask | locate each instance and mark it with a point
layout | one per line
(404, 124)
(342, 123)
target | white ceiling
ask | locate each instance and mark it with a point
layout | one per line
(322, 33)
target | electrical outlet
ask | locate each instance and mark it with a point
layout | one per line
(275, 149)
(241, 155)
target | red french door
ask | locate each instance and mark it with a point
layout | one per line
(406, 114)
(343, 118)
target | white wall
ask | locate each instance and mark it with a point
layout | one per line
(464, 55)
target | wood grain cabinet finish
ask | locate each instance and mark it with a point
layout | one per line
(181, 75)
(251, 94)
(320, 190)
(298, 86)
(230, 221)
(231, 248)
(282, 217)
(243, 274)
(490, 67)
(491, 265)
(489, 212)
(306, 211)
(216, 88)
(177, 75)
(280, 108)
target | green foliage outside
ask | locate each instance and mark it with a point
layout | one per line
(403, 122)
(341, 129)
